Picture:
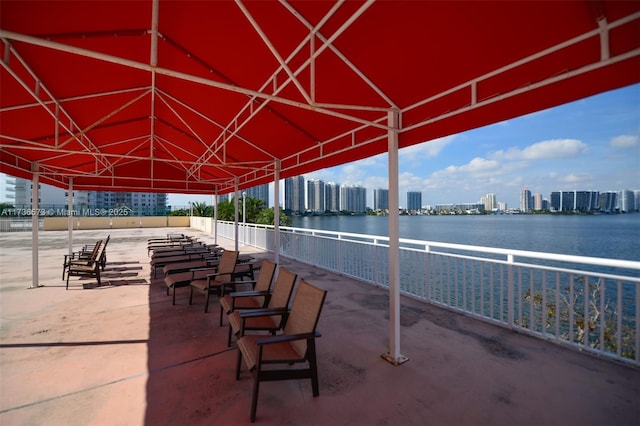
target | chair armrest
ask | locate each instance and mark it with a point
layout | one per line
(265, 312)
(252, 282)
(194, 270)
(215, 274)
(287, 338)
(252, 293)
(205, 268)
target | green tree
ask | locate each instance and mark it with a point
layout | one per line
(253, 209)
(226, 211)
(202, 209)
(266, 218)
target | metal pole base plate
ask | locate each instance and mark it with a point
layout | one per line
(392, 360)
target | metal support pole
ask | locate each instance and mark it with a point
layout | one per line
(35, 194)
(214, 219)
(394, 356)
(244, 218)
(276, 212)
(235, 211)
(70, 215)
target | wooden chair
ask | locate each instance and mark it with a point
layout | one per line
(218, 281)
(257, 297)
(81, 256)
(184, 279)
(103, 257)
(88, 268)
(200, 253)
(254, 320)
(87, 253)
(279, 357)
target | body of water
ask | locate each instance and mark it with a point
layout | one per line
(608, 236)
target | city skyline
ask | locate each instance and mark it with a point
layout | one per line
(590, 144)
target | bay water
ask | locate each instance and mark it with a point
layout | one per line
(610, 236)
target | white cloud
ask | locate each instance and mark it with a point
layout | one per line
(545, 150)
(478, 167)
(624, 141)
(575, 178)
(425, 150)
(409, 181)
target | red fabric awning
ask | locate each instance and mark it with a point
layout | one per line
(200, 95)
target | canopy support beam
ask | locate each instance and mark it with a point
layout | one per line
(394, 356)
(35, 210)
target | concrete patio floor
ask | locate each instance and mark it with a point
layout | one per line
(122, 354)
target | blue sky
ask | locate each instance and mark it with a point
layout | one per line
(591, 144)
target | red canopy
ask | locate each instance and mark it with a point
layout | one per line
(195, 96)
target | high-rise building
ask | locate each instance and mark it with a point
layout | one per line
(48, 196)
(381, 199)
(569, 201)
(538, 202)
(489, 201)
(626, 201)
(7, 189)
(607, 201)
(332, 197)
(414, 201)
(526, 200)
(141, 203)
(315, 195)
(294, 194)
(585, 200)
(260, 192)
(353, 199)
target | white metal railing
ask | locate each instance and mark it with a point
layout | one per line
(590, 304)
(19, 224)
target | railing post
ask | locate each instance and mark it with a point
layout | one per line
(427, 292)
(510, 291)
(340, 262)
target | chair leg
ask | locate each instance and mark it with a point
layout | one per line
(254, 401)
(229, 337)
(238, 364)
(98, 276)
(190, 295)
(174, 295)
(206, 302)
(313, 366)
(220, 315)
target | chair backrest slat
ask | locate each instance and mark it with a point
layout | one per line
(282, 289)
(265, 276)
(265, 279)
(305, 313)
(94, 252)
(96, 258)
(227, 264)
